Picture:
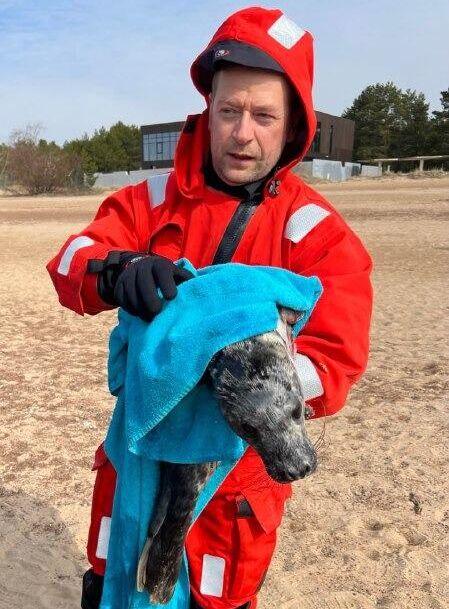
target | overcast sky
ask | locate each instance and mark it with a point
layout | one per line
(75, 66)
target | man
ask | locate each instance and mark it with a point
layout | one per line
(231, 196)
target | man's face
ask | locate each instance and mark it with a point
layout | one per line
(248, 123)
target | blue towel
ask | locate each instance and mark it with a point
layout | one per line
(162, 414)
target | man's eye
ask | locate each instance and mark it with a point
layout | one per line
(228, 111)
(263, 117)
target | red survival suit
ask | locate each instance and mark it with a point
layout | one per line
(175, 215)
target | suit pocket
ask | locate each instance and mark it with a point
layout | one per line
(255, 532)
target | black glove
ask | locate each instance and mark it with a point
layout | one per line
(130, 280)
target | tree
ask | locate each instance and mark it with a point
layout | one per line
(37, 165)
(414, 133)
(377, 120)
(116, 149)
(440, 126)
(389, 122)
(126, 138)
(81, 150)
(4, 153)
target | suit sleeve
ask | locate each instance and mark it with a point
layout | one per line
(123, 222)
(332, 349)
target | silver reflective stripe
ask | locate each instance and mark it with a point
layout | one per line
(303, 221)
(103, 538)
(212, 575)
(286, 32)
(72, 248)
(156, 188)
(308, 377)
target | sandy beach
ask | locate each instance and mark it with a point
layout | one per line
(368, 531)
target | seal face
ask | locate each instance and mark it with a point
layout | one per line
(260, 396)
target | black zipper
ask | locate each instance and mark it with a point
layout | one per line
(235, 230)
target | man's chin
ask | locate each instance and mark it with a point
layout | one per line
(238, 177)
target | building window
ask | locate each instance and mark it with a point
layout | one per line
(317, 139)
(160, 146)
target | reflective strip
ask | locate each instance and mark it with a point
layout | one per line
(286, 32)
(74, 246)
(212, 576)
(156, 188)
(303, 221)
(308, 377)
(103, 538)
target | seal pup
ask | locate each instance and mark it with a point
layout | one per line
(259, 394)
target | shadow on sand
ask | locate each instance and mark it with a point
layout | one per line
(40, 565)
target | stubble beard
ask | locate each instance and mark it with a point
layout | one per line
(235, 177)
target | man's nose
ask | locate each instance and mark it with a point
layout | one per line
(243, 131)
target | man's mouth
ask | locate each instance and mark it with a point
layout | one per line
(240, 157)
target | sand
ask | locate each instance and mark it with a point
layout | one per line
(369, 530)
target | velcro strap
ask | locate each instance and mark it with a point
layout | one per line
(97, 266)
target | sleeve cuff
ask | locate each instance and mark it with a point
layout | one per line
(308, 377)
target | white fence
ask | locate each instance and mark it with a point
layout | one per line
(334, 171)
(118, 179)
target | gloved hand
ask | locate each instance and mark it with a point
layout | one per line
(136, 279)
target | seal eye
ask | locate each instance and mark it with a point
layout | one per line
(249, 430)
(297, 413)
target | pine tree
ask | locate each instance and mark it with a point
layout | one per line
(377, 120)
(113, 149)
(440, 126)
(390, 122)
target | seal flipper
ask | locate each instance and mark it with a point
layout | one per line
(161, 559)
(160, 515)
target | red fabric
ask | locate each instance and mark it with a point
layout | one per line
(246, 542)
(102, 500)
(120, 223)
(191, 222)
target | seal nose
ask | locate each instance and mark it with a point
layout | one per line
(306, 468)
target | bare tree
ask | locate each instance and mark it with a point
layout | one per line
(4, 153)
(37, 165)
(29, 135)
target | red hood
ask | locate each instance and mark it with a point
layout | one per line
(276, 35)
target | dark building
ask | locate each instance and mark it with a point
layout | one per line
(334, 139)
(158, 143)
